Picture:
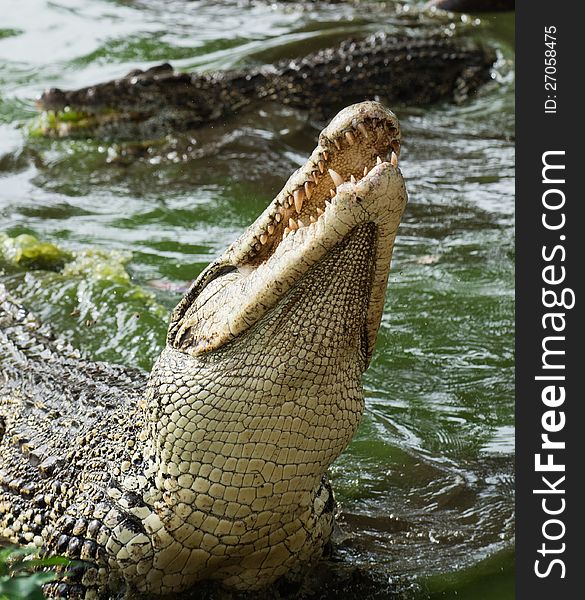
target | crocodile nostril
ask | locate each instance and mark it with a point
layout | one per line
(54, 92)
(52, 98)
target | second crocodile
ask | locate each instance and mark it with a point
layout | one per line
(152, 103)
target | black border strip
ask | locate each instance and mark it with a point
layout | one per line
(543, 255)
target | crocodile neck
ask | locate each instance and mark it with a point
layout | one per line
(257, 439)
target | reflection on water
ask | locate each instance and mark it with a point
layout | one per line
(426, 488)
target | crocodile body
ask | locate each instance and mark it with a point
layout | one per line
(214, 466)
(158, 101)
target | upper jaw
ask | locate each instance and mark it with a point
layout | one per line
(353, 141)
(300, 227)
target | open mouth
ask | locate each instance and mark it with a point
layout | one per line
(350, 180)
(347, 152)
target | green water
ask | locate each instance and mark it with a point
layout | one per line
(426, 487)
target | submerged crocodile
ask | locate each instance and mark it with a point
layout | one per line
(213, 468)
(158, 101)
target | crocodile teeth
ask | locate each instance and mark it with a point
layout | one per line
(363, 129)
(270, 229)
(278, 217)
(325, 155)
(350, 137)
(263, 239)
(394, 160)
(365, 171)
(258, 246)
(332, 193)
(321, 165)
(300, 223)
(308, 190)
(337, 178)
(312, 219)
(337, 144)
(299, 198)
(352, 179)
(319, 212)
(292, 225)
(286, 232)
(378, 160)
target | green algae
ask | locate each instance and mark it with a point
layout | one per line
(87, 293)
(49, 121)
(99, 264)
(26, 251)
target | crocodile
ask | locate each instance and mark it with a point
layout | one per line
(213, 467)
(150, 104)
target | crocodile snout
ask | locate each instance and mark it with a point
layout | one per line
(52, 99)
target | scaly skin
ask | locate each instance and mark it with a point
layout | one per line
(148, 104)
(216, 471)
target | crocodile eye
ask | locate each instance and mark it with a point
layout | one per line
(211, 275)
(215, 274)
(196, 288)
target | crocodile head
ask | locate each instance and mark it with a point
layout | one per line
(341, 209)
(150, 102)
